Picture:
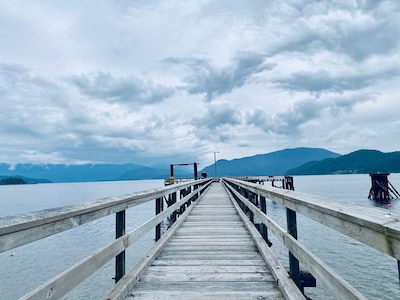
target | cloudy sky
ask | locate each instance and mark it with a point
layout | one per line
(170, 81)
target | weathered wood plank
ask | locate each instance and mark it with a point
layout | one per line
(207, 256)
(210, 269)
(204, 286)
(205, 294)
(194, 276)
(196, 260)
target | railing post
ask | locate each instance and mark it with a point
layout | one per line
(120, 258)
(263, 228)
(398, 268)
(294, 266)
(174, 214)
(250, 197)
(158, 226)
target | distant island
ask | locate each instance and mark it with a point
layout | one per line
(17, 179)
(12, 180)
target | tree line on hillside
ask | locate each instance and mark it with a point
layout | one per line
(358, 162)
(12, 180)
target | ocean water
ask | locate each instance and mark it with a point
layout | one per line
(371, 272)
(35, 263)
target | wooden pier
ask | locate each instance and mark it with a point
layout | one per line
(213, 249)
(211, 256)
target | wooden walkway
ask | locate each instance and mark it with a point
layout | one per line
(211, 256)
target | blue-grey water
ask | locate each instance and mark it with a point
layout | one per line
(371, 272)
(35, 263)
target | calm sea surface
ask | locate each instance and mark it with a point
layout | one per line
(371, 272)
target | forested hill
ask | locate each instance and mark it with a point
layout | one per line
(358, 162)
(273, 163)
(6, 180)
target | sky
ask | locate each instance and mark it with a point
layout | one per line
(159, 82)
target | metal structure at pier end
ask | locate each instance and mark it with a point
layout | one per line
(172, 180)
(213, 250)
(381, 188)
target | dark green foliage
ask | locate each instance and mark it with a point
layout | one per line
(12, 180)
(358, 162)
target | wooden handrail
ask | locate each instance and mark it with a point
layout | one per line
(319, 269)
(377, 228)
(69, 279)
(22, 229)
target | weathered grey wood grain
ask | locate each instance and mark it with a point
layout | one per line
(64, 282)
(22, 229)
(324, 274)
(375, 227)
(212, 256)
(205, 294)
(202, 260)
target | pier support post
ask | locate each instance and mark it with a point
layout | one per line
(120, 258)
(294, 265)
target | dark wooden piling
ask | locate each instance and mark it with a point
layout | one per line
(381, 188)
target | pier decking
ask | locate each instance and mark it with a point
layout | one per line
(211, 256)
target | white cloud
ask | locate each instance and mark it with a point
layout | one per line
(156, 81)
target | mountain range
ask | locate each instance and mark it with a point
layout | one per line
(274, 163)
(296, 161)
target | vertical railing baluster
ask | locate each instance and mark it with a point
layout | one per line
(120, 258)
(173, 201)
(158, 226)
(398, 268)
(263, 228)
(250, 198)
(294, 266)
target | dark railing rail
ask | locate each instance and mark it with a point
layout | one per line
(19, 230)
(373, 227)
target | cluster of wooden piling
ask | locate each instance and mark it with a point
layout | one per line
(381, 188)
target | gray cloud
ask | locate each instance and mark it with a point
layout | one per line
(121, 81)
(358, 30)
(322, 80)
(204, 78)
(289, 121)
(104, 86)
(218, 123)
(218, 115)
